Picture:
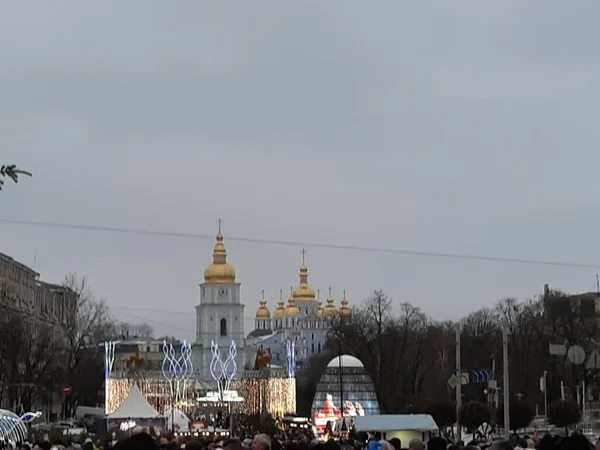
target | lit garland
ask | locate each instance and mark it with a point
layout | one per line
(274, 395)
(156, 390)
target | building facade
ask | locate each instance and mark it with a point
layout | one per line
(36, 312)
(304, 321)
(22, 291)
(219, 314)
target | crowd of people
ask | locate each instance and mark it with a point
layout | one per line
(295, 441)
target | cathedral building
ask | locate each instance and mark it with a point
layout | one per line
(304, 321)
(220, 313)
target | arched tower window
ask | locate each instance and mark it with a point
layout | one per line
(223, 327)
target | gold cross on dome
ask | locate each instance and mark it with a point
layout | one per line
(303, 256)
(219, 223)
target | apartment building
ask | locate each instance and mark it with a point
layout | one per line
(22, 291)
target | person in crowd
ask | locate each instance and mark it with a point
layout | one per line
(501, 445)
(437, 443)
(232, 444)
(373, 443)
(261, 442)
(194, 445)
(396, 443)
(416, 444)
(140, 441)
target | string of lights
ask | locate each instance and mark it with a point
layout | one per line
(398, 251)
(274, 395)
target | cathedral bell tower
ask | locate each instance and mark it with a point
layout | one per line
(220, 313)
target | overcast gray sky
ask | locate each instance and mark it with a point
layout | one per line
(445, 126)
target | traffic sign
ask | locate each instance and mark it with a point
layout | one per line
(576, 355)
(482, 376)
(453, 380)
(66, 389)
(558, 349)
(593, 360)
(464, 378)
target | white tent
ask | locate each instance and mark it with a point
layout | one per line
(135, 406)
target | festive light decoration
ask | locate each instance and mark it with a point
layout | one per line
(109, 360)
(177, 370)
(223, 372)
(12, 427)
(276, 396)
(30, 416)
(156, 390)
(290, 351)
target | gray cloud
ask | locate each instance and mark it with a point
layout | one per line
(461, 127)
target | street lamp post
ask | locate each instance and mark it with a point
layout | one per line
(458, 384)
(343, 427)
(341, 367)
(173, 406)
(546, 397)
(506, 384)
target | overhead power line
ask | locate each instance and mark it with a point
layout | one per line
(157, 323)
(355, 248)
(123, 309)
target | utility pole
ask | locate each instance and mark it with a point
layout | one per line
(506, 384)
(583, 405)
(546, 396)
(458, 383)
(343, 427)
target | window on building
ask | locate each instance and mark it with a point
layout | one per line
(312, 347)
(223, 327)
(312, 336)
(319, 347)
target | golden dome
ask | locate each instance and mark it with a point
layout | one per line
(291, 309)
(219, 271)
(330, 309)
(345, 310)
(304, 292)
(263, 312)
(280, 306)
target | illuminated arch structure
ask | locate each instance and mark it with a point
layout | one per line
(359, 397)
(12, 426)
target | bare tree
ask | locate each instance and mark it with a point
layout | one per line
(28, 351)
(378, 308)
(410, 358)
(12, 172)
(85, 329)
(128, 330)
